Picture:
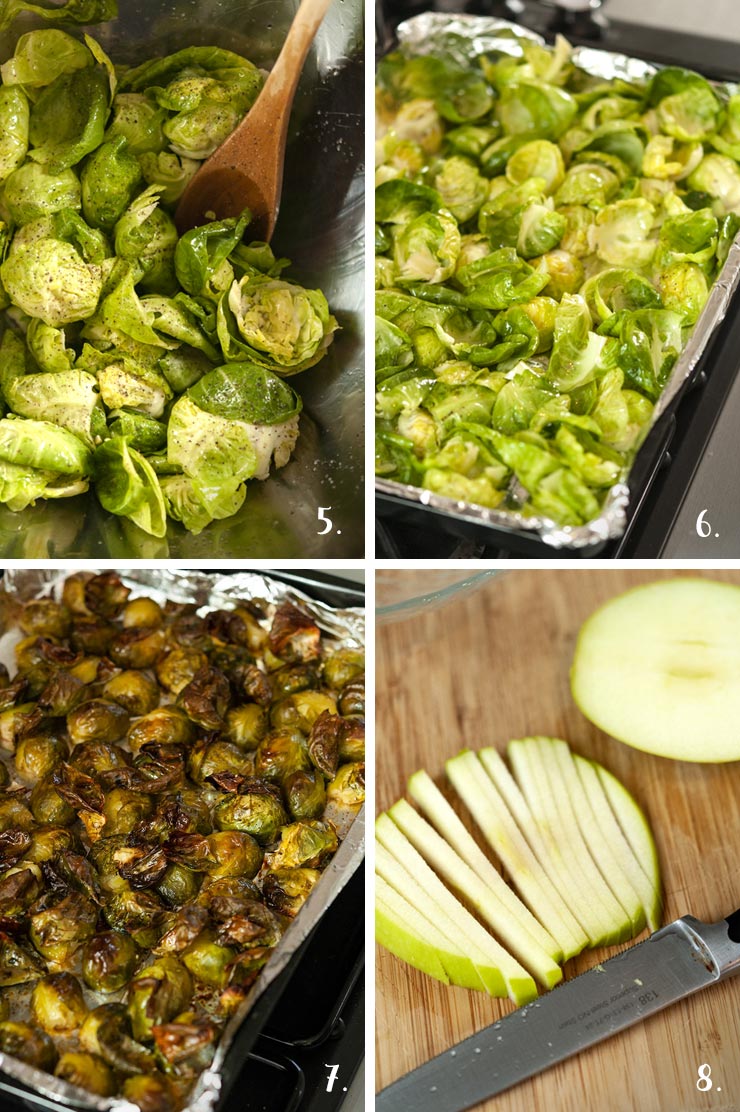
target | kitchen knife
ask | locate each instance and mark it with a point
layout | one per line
(677, 960)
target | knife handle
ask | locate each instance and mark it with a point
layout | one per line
(717, 944)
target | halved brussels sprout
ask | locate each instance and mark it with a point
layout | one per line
(288, 889)
(236, 854)
(137, 647)
(258, 812)
(207, 960)
(57, 1004)
(97, 720)
(301, 710)
(108, 961)
(308, 844)
(136, 692)
(87, 1071)
(280, 754)
(247, 726)
(157, 994)
(59, 931)
(305, 794)
(167, 725)
(38, 753)
(142, 613)
(28, 1044)
(348, 786)
(342, 666)
(151, 1092)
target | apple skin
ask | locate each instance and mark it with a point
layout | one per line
(393, 936)
(658, 668)
(637, 831)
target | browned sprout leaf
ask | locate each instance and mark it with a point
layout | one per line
(294, 636)
(206, 698)
(106, 595)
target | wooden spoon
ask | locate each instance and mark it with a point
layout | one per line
(246, 171)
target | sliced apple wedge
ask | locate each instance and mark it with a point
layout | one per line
(647, 887)
(659, 669)
(560, 764)
(504, 836)
(457, 964)
(589, 897)
(505, 784)
(524, 955)
(637, 832)
(479, 945)
(407, 934)
(425, 792)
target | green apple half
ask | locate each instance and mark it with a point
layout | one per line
(659, 669)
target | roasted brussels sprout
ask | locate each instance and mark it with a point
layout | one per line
(295, 677)
(176, 670)
(152, 1092)
(309, 843)
(305, 794)
(106, 595)
(14, 814)
(300, 710)
(97, 720)
(57, 1004)
(131, 911)
(93, 757)
(348, 786)
(107, 1033)
(37, 753)
(208, 758)
(18, 965)
(157, 994)
(235, 853)
(134, 691)
(257, 810)
(246, 726)
(13, 722)
(43, 616)
(92, 636)
(123, 809)
(137, 648)
(207, 960)
(167, 725)
(142, 613)
(48, 806)
(342, 667)
(28, 1044)
(87, 1071)
(288, 889)
(206, 698)
(294, 636)
(280, 754)
(62, 694)
(352, 741)
(48, 843)
(178, 886)
(59, 931)
(19, 887)
(188, 1044)
(108, 961)
(323, 743)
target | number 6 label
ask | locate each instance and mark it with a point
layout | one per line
(703, 528)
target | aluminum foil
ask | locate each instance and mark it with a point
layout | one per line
(459, 37)
(346, 628)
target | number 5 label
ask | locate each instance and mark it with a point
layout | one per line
(323, 511)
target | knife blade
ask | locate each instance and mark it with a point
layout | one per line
(682, 958)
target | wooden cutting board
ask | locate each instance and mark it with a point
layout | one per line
(494, 666)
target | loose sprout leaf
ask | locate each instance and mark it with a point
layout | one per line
(70, 11)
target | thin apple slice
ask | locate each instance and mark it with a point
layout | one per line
(588, 894)
(425, 792)
(659, 668)
(503, 835)
(510, 792)
(455, 960)
(638, 834)
(472, 934)
(407, 934)
(524, 955)
(559, 762)
(647, 888)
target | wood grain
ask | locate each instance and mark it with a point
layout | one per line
(494, 666)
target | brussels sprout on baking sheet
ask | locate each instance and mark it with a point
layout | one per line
(603, 174)
(150, 920)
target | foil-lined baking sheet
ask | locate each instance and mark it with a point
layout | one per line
(346, 629)
(461, 37)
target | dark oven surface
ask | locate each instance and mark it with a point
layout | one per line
(687, 466)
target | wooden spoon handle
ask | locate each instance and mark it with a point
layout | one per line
(279, 88)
